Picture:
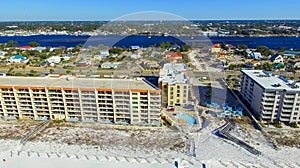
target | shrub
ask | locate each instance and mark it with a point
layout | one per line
(294, 125)
(277, 124)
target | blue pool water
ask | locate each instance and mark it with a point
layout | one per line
(190, 120)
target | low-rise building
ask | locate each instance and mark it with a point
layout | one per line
(26, 48)
(110, 65)
(2, 54)
(104, 54)
(295, 65)
(252, 64)
(54, 59)
(216, 48)
(255, 55)
(173, 56)
(277, 58)
(17, 59)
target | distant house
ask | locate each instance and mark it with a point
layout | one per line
(135, 55)
(151, 64)
(277, 58)
(255, 55)
(83, 64)
(174, 47)
(295, 65)
(17, 59)
(252, 64)
(39, 48)
(54, 59)
(135, 47)
(41, 64)
(209, 33)
(2, 54)
(173, 56)
(216, 48)
(26, 48)
(290, 53)
(104, 54)
(110, 65)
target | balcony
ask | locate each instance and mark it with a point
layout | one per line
(109, 97)
(291, 96)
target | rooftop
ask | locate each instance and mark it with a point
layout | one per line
(173, 73)
(271, 81)
(72, 82)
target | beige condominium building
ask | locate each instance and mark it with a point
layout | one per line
(173, 83)
(115, 101)
(271, 97)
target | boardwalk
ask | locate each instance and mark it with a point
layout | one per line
(34, 131)
(224, 132)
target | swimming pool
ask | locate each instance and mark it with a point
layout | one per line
(190, 120)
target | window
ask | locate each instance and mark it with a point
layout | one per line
(134, 93)
(134, 98)
(184, 87)
(171, 103)
(177, 101)
(178, 87)
(171, 88)
(171, 97)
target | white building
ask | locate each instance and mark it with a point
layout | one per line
(271, 97)
(2, 54)
(277, 58)
(54, 59)
(17, 59)
(173, 83)
(255, 55)
(110, 65)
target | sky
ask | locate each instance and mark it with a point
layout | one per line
(98, 10)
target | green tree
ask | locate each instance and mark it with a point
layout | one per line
(12, 43)
(281, 49)
(79, 45)
(34, 44)
(277, 124)
(164, 45)
(242, 47)
(51, 71)
(294, 125)
(184, 48)
(264, 50)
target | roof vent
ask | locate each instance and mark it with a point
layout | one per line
(276, 85)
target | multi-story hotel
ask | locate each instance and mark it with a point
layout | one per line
(119, 101)
(174, 85)
(271, 97)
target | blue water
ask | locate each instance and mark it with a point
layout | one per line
(190, 120)
(127, 41)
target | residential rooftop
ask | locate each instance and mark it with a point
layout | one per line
(173, 73)
(271, 81)
(73, 82)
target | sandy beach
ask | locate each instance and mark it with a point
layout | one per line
(93, 146)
